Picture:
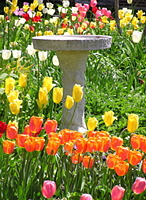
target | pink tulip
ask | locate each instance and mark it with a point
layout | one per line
(139, 185)
(93, 3)
(117, 193)
(86, 197)
(48, 189)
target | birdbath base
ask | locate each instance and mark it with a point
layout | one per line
(72, 52)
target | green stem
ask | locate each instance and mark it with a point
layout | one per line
(72, 115)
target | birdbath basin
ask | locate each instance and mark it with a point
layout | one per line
(72, 52)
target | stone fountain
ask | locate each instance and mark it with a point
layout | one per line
(72, 52)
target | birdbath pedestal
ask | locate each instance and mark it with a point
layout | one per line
(72, 52)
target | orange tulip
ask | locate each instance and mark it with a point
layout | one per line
(143, 143)
(81, 145)
(135, 141)
(92, 145)
(20, 140)
(134, 157)
(102, 134)
(65, 133)
(121, 168)
(122, 152)
(68, 148)
(52, 146)
(76, 158)
(40, 142)
(50, 126)
(12, 130)
(104, 144)
(30, 144)
(115, 142)
(8, 146)
(88, 162)
(35, 124)
(112, 160)
(144, 165)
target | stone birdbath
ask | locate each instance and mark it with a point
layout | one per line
(72, 52)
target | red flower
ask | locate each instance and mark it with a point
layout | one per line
(50, 126)
(117, 193)
(26, 16)
(48, 189)
(139, 185)
(36, 19)
(3, 127)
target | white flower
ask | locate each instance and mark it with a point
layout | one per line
(30, 50)
(65, 3)
(51, 11)
(49, 5)
(16, 53)
(40, 1)
(6, 54)
(64, 10)
(55, 60)
(136, 36)
(42, 55)
(129, 1)
(19, 22)
(60, 9)
(45, 10)
(74, 9)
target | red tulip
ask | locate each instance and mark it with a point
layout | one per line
(50, 126)
(139, 185)
(35, 124)
(30, 144)
(8, 146)
(135, 141)
(39, 143)
(122, 152)
(117, 193)
(20, 140)
(3, 127)
(48, 189)
(88, 162)
(115, 142)
(86, 197)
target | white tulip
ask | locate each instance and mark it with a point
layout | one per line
(74, 9)
(40, 1)
(30, 50)
(60, 9)
(51, 11)
(42, 55)
(55, 60)
(136, 36)
(6, 54)
(45, 10)
(49, 5)
(65, 4)
(64, 10)
(16, 53)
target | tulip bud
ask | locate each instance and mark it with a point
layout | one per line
(86, 197)
(136, 36)
(57, 94)
(55, 60)
(92, 123)
(77, 93)
(9, 84)
(42, 55)
(8, 146)
(117, 193)
(23, 80)
(133, 122)
(6, 54)
(15, 106)
(48, 189)
(139, 185)
(69, 102)
(16, 53)
(109, 118)
(43, 96)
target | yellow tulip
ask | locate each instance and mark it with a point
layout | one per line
(6, 9)
(43, 95)
(48, 33)
(13, 95)
(15, 106)
(109, 118)
(57, 94)
(133, 122)
(23, 80)
(9, 85)
(77, 93)
(40, 7)
(69, 102)
(92, 123)
(47, 82)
